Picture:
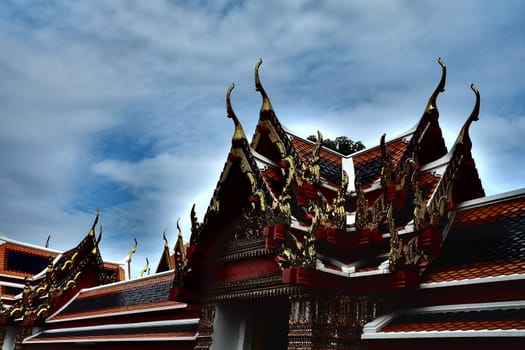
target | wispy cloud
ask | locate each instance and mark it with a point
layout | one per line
(120, 105)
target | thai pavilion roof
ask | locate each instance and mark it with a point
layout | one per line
(61, 277)
(137, 310)
(485, 243)
(282, 175)
(480, 320)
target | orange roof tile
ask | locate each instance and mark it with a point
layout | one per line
(330, 162)
(456, 321)
(395, 148)
(139, 294)
(477, 270)
(428, 182)
(368, 163)
(490, 213)
(273, 178)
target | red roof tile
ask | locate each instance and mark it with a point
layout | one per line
(139, 294)
(456, 321)
(428, 182)
(477, 270)
(273, 178)
(490, 213)
(369, 162)
(395, 148)
(330, 162)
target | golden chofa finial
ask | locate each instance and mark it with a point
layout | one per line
(178, 227)
(266, 105)
(239, 132)
(99, 235)
(145, 268)
(164, 237)
(92, 230)
(132, 251)
(463, 137)
(439, 88)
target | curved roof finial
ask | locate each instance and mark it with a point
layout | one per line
(145, 268)
(440, 87)
(229, 110)
(266, 105)
(164, 237)
(92, 230)
(463, 137)
(178, 228)
(132, 251)
(239, 132)
(47, 241)
(99, 235)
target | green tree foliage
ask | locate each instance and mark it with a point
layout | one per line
(341, 144)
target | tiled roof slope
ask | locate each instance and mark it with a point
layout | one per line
(368, 163)
(484, 241)
(510, 319)
(330, 162)
(136, 294)
(121, 336)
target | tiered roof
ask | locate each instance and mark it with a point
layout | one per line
(121, 314)
(297, 184)
(406, 215)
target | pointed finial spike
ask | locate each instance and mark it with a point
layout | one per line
(145, 269)
(441, 62)
(258, 86)
(266, 105)
(47, 241)
(132, 251)
(178, 227)
(165, 238)
(464, 137)
(229, 109)
(99, 235)
(239, 132)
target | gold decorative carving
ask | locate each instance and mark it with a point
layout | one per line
(302, 253)
(366, 215)
(282, 207)
(404, 256)
(335, 216)
(196, 226)
(396, 245)
(311, 171)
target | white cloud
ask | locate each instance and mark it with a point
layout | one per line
(127, 98)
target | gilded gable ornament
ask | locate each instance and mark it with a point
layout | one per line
(335, 216)
(282, 207)
(302, 252)
(311, 170)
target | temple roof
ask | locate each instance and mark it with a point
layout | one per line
(487, 239)
(126, 296)
(138, 310)
(153, 331)
(499, 319)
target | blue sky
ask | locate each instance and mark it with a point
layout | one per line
(119, 105)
